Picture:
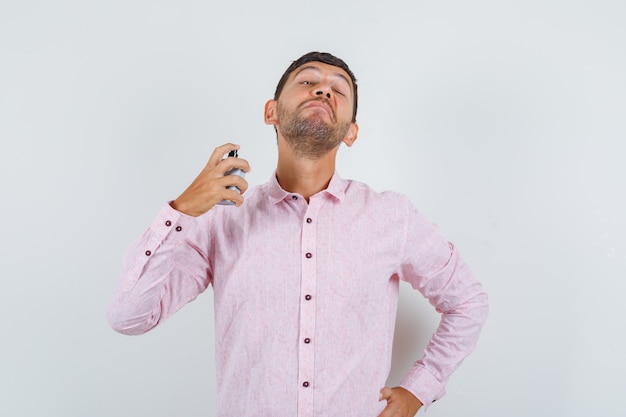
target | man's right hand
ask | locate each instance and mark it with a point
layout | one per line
(209, 187)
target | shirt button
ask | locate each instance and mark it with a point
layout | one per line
(309, 220)
(305, 384)
(294, 197)
(307, 297)
(178, 228)
(168, 223)
(309, 255)
(148, 253)
(307, 340)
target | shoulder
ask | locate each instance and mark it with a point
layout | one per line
(357, 191)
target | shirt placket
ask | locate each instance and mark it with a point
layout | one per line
(308, 302)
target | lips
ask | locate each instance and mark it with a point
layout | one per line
(322, 105)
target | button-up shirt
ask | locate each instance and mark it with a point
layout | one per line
(305, 296)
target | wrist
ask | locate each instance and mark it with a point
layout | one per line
(182, 208)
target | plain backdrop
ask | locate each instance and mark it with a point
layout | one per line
(503, 121)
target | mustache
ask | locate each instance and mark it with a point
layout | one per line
(322, 100)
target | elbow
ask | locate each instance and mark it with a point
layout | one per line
(478, 309)
(482, 308)
(123, 321)
(473, 309)
(478, 305)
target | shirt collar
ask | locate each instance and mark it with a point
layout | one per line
(336, 188)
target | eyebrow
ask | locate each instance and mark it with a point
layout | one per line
(316, 69)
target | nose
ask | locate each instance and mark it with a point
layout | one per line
(320, 92)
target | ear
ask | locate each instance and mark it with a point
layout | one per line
(270, 113)
(353, 132)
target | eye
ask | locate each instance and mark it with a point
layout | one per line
(342, 91)
(307, 82)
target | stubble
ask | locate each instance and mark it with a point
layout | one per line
(311, 137)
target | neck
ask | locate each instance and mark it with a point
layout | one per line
(304, 176)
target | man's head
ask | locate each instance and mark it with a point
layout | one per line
(314, 106)
(324, 58)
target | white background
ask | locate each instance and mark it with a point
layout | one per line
(504, 121)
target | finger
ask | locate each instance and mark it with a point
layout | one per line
(385, 394)
(222, 187)
(219, 152)
(234, 180)
(227, 164)
(233, 196)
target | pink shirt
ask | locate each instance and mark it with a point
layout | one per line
(305, 296)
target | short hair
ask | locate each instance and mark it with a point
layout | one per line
(325, 58)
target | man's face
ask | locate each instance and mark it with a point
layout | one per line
(314, 111)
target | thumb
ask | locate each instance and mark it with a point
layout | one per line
(385, 394)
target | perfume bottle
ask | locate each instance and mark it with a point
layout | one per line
(234, 171)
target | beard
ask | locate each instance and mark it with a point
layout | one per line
(312, 137)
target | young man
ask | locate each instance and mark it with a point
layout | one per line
(305, 270)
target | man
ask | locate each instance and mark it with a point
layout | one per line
(305, 269)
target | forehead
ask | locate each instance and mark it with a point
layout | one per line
(322, 69)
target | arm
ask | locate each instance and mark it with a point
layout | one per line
(433, 266)
(168, 265)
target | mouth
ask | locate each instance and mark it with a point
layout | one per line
(319, 104)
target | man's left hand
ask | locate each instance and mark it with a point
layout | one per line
(400, 403)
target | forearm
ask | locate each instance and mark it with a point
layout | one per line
(464, 308)
(163, 270)
(455, 338)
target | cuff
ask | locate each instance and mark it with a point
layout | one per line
(423, 385)
(167, 225)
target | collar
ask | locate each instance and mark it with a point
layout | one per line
(336, 189)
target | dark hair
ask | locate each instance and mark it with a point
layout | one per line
(325, 58)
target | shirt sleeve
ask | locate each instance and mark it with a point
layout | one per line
(433, 266)
(165, 268)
